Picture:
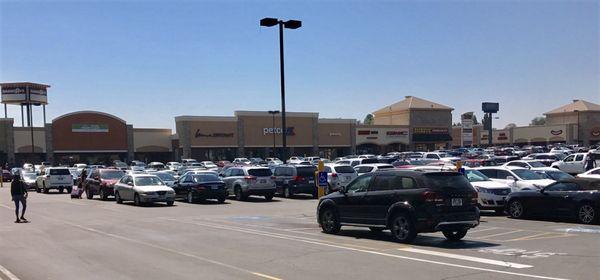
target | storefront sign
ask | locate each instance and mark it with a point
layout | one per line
(277, 130)
(595, 132)
(89, 127)
(502, 136)
(216, 135)
(335, 134)
(556, 132)
(397, 133)
(425, 130)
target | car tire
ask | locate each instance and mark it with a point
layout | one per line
(455, 235)
(44, 189)
(329, 220)
(586, 214)
(222, 199)
(516, 209)
(287, 192)
(136, 200)
(69, 190)
(403, 228)
(89, 194)
(239, 195)
(269, 197)
(170, 203)
(190, 198)
(118, 198)
(61, 190)
(376, 229)
(37, 189)
(103, 195)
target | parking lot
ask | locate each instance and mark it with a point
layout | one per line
(94, 239)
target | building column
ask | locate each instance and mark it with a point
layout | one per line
(130, 146)
(183, 132)
(49, 144)
(10, 142)
(315, 136)
(353, 138)
(240, 138)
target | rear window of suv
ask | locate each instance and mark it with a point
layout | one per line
(447, 180)
(260, 172)
(59, 171)
(308, 171)
(344, 169)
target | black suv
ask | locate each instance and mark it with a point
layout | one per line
(295, 179)
(406, 202)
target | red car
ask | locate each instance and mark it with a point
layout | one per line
(6, 176)
(101, 182)
(222, 163)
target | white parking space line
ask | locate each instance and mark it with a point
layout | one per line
(499, 234)
(7, 273)
(465, 258)
(483, 229)
(334, 245)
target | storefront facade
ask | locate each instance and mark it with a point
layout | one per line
(382, 139)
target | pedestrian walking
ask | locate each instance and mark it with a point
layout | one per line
(590, 162)
(19, 196)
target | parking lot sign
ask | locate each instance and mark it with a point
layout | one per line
(322, 179)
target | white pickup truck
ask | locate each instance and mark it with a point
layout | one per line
(575, 163)
(58, 178)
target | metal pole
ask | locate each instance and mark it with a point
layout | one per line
(22, 117)
(5, 113)
(490, 130)
(44, 108)
(578, 129)
(281, 64)
(30, 119)
(274, 154)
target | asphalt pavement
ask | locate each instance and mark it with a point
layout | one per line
(93, 239)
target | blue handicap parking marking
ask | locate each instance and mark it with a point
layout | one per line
(323, 179)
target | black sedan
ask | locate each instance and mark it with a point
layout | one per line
(199, 187)
(571, 199)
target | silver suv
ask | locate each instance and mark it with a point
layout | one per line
(249, 180)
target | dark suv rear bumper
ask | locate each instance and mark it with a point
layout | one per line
(450, 221)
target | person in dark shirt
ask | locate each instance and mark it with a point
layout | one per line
(19, 194)
(590, 162)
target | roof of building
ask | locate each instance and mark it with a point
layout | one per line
(576, 105)
(411, 102)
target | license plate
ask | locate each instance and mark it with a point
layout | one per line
(311, 181)
(263, 181)
(61, 178)
(457, 202)
(214, 187)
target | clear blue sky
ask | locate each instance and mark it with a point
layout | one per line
(147, 62)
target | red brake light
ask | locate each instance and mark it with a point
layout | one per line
(249, 178)
(201, 188)
(334, 175)
(298, 178)
(432, 197)
(272, 177)
(474, 197)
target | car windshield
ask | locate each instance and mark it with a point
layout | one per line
(200, 178)
(536, 164)
(111, 175)
(448, 180)
(148, 181)
(59, 171)
(344, 169)
(165, 176)
(308, 171)
(476, 176)
(443, 155)
(384, 167)
(120, 164)
(527, 174)
(558, 175)
(260, 172)
(30, 176)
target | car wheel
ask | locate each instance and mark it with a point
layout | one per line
(45, 190)
(190, 197)
(269, 197)
(69, 190)
(586, 214)
(516, 209)
(455, 235)
(103, 195)
(136, 200)
(238, 194)
(222, 199)
(402, 228)
(89, 194)
(287, 192)
(61, 190)
(38, 190)
(170, 203)
(329, 221)
(376, 229)
(118, 198)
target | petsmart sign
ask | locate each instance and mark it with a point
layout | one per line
(85, 127)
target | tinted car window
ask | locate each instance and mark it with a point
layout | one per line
(260, 172)
(369, 160)
(165, 176)
(199, 178)
(448, 181)
(383, 183)
(502, 174)
(527, 174)
(385, 167)
(148, 181)
(308, 171)
(60, 171)
(408, 183)
(344, 169)
(111, 175)
(491, 173)
(563, 187)
(359, 184)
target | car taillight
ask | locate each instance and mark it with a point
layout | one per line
(298, 178)
(200, 188)
(272, 177)
(432, 197)
(249, 178)
(333, 175)
(474, 198)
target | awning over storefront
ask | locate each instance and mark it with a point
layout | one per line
(431, 137)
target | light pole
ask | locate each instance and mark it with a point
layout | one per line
(578, 128)
(273, 113)
(290, 24)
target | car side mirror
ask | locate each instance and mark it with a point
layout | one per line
(343, 190)
(511, 178)
(543, 191)
(221, 175)
(130, 184)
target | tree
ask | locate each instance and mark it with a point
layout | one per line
(368, 119)
(510, 125)
(538, 121)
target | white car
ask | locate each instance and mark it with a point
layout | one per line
(156, 166)
(573, 164)
(243, 161)
(591, 174)
(440, 156)
(339, 175)
(143, 188)
(366, 156)
(58, 178)
(529, 164)
(518, 178)
(491, 194)
(295, 160)
(371, 167)
(188, 161)
(209, 165)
